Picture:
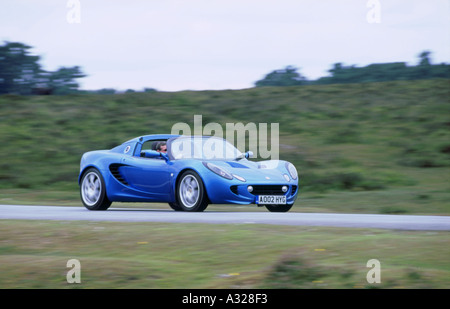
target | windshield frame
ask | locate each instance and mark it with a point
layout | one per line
(210, 140)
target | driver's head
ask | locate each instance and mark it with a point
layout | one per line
(161, 147)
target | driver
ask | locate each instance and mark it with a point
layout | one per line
(161, 147)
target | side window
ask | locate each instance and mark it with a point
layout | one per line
(148, 145)
(152, 145)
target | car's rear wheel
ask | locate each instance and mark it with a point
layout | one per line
(279, 208)
(93, 191)
(191, 194)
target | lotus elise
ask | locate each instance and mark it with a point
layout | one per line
(187, 172)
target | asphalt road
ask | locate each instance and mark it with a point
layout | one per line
(401, 222)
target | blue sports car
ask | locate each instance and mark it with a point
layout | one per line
(187, 172)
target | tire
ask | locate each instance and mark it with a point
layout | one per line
(190, 193)
(279, 208)
(93, 191)
(175, 206)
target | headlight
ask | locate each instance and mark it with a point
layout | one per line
(292, 170)
(218, 170)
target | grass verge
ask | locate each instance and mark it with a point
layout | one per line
(33, 254)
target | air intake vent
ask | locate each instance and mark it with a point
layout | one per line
(267, 190)
(114, 168)
(294, 190)
(234, 189)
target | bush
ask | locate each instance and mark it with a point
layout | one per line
(339, 181)
(293, 272)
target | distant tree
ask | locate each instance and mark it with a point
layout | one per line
(337, 68)
(386, 72)
(63, 81)
(105, 91)
(425, 58)
(18, 68)
(440, 71)
(21, 73)
(342, 74)
(284, 77)
(150, 90)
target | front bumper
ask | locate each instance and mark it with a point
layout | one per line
(237, 193)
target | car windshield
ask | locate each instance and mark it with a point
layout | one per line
(203, 147)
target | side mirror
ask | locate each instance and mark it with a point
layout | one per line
(249, 154)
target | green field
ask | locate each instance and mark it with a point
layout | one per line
(359, 148)
(369, 148)
(34, 254)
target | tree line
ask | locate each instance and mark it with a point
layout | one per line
(378, 72)
(21, 73)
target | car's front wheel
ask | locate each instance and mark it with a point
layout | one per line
(93, 191)
(279, 208)
(191, 194)
(175, 206)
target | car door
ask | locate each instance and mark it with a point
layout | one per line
(150, 175)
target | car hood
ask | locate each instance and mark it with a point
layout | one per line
(263, 171)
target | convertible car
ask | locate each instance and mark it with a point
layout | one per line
(187, 172)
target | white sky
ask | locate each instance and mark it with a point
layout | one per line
(221, 44)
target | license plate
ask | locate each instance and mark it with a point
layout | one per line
(271, 199)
